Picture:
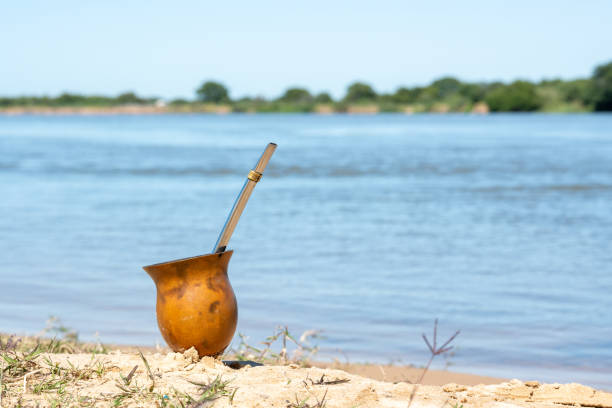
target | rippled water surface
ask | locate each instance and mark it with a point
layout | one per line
(367, 227)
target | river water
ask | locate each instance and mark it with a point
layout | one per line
(366, 227)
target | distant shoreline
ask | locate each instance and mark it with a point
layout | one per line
(444, 95)
(214, 110)
(59, 111)
(211, 109)
(364, 109)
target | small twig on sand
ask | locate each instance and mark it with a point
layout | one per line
(25, 380)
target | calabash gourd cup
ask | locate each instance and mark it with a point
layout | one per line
(196, 305)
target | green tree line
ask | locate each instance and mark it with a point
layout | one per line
(76, 100)
(446, 94)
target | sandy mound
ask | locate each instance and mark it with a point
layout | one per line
(122, 379)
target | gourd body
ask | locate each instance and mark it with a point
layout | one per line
(196, 305)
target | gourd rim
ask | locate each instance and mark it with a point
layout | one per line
(230, 252)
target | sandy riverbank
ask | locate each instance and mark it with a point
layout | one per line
(399, 373)
(379, 372)
(174, 379)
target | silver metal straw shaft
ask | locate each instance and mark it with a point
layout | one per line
(252, 179)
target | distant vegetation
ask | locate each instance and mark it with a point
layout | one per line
(67, 99)
(443, 95)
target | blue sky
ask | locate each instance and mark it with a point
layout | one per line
(166, 48)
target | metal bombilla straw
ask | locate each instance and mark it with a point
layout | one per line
(253, 177)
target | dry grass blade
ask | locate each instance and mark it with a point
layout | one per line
(127, 380)
(62, 340)
(17, 364)
(304, 403)
(297, 403)
(216, 389)
(302, 353)
(149, 373)
(323, 381)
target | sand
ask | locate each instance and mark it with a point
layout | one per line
(100, 380)
(397, 373)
